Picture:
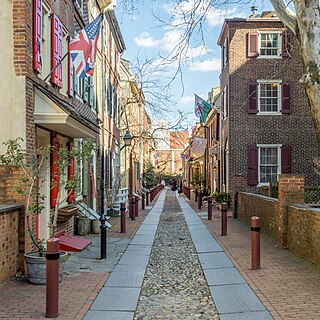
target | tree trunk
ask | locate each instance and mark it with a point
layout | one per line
(306, 25)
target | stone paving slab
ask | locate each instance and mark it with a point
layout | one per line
(143, 240)
(206, 247)
(215, 260)
(260, 315)
(116, 299)
(224, 276)
(129, 278)
(106, 315)
(130, 268)
(139, 249)
(131, 257)
(235, 298)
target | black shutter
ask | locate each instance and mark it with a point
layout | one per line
(286, 45)
(253, 166)
(286, 97)
(253, 96)
(286, 160)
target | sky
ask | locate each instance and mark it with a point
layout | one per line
(145, 37)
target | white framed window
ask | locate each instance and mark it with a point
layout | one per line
(269, 96)
(270, 44)
(80, 4)
(46, 41)
(65, 67)
(269, 160)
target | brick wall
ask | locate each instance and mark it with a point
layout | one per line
(9, 243)
(304, 232)
(286, 219)
(265, 208)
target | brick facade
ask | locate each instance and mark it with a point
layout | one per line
(241, 129)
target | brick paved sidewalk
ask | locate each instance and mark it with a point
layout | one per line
(21, 300)
(287, 285)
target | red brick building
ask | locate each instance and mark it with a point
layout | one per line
(266, 124)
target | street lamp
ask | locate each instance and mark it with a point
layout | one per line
(127, 138)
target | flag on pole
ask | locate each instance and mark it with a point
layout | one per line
(199, 145)
(83, 48)
(202, 108)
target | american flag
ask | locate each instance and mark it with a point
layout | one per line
(83, 48)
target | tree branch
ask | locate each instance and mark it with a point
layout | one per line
(286, 15)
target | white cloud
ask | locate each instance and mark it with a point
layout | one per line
(209, 65)
(216, 16)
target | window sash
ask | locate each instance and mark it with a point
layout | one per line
(269, 160)
(269, 96)
(269, 44)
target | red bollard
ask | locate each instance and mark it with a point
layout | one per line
(123, 217)
(209, 208)
(137, 206)
(147, 199)
(52, 283)
(143, 201)
(224, 211)
(255, 243)
(199, 200)
(133, 206)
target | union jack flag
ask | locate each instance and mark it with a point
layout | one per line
(83, 48)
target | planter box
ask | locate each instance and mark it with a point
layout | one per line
(67, 212)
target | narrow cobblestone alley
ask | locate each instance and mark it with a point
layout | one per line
(174, 286)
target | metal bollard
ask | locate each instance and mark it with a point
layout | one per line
(199, 200)
(52, 278)
(147, 199)
(143, 201)
(123, 217)
(224, 211)
(209, 208)
(133, 205)
(137, 206)
(255, 243)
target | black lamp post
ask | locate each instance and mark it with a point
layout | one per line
(127, 138)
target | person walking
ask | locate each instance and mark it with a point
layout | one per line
(174, 186)
(180, 187)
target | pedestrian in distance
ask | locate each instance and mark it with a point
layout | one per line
(180, 187)
(174, 186)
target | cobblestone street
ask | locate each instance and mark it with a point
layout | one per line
(174, 286)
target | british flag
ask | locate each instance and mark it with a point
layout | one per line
(83, 48)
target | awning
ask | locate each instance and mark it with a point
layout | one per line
(49, 115)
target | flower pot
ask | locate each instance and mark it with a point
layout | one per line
(37, 266)
(96, 226)
(83, 226)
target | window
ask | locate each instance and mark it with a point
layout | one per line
(269, 96)
(80, 4)
(225, 53)
(46, 42)
(270, 44)
(268, 163)
(65, 66)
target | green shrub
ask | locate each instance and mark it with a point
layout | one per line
(222, 197)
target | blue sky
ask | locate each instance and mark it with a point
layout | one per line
(145, 37)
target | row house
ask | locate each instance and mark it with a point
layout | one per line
(46, 103)
(136, 121)
(263, 105)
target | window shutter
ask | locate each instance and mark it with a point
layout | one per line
(86, 89)
(37, 35)
(286, 45)
(56, 50)
(286, 160)
(253, 44)
(226, 49)
(253, 166)
(253, 96)
(222, 57)
(70, 74)
(55, 175)
(91, 93)
(71, 171)
(218, 127)
(286, 97)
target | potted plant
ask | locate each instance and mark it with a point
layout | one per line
(221, 197)
(28, 186)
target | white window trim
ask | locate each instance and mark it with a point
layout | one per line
(279, 97)
(46, 37)
(279, 55)
(263, 184)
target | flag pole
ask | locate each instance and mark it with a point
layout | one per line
(56, 66)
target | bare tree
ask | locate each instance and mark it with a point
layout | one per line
(303, 20)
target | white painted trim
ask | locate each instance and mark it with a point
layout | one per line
(262, 81)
